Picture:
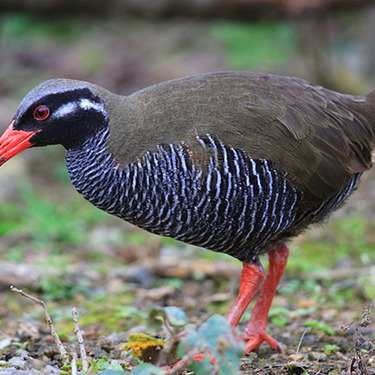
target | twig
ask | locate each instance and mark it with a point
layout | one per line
(365, 318)
(74, 364)
(184, 362)
(63, 352)
(300, 342)
(357, 363)
(80, 340)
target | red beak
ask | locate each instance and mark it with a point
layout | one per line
(13, 142)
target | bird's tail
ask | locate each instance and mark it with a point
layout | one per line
(370, 104)
(370, 101)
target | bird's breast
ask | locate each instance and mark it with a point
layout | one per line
(212, 195)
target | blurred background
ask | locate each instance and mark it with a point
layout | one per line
(58, 246)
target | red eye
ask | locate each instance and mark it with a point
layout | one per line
(41, 112)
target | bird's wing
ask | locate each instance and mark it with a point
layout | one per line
(317, 137)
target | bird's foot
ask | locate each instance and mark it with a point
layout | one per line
(253, 341)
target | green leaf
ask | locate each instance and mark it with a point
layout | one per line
(176, 317)
(231, 350)
(161, 316)
(215, 327)
(190, 341)
(113, 372)
(156, 319)
(214, 339)
(203, 367)
(147, 369)
(330, 348)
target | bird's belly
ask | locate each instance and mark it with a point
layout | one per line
(236, 210)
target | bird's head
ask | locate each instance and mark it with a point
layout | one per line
(58, 111)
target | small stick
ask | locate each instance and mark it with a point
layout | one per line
(300, 342)
(63, 352)
(81, 343)
(183, 363)
(74, 364)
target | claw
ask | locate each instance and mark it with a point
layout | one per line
(254, 341)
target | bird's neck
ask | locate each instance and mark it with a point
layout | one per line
(95, 174)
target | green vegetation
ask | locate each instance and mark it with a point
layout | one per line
(40, 224)
(330, 348)
(21, 27)
(45, 221)
(350, 236)
(114, 313)
(255, 45)
(320, 326)
(100, 364)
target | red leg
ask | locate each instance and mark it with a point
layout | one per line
(252, 277)
(251, 280)
(255, 331)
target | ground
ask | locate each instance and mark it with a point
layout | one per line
(114, 274)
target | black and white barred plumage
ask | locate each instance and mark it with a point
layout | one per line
(234, 162)
(237, 205)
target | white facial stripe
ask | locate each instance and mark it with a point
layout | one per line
(65, 109)
(87, 104)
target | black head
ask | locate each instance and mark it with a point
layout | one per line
(58, 111)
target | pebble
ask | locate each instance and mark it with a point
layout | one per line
(5, 342)
(316, 356)
(296, 357)
(50, 370)
(18, 362)
(14, 371)
(18, 367)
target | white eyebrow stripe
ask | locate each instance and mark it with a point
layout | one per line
(87, 104)
(65, 109)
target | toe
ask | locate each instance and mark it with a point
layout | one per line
(254, 341)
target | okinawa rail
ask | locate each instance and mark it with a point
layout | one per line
(235, 162)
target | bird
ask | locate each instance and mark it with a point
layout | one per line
(234, 162)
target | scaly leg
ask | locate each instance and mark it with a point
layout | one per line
(255, 332)
(251, 280)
